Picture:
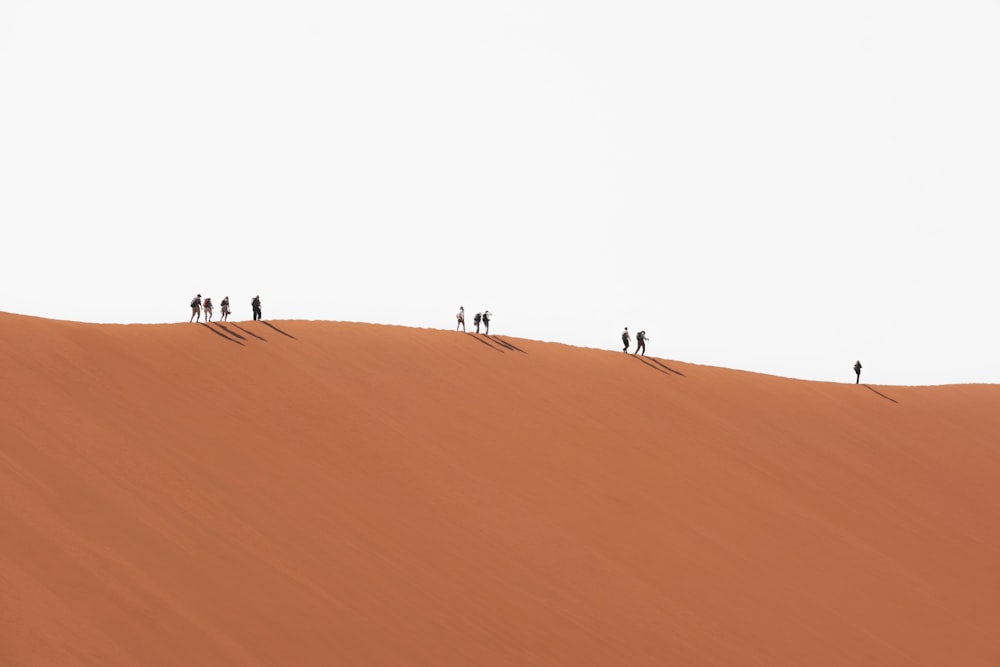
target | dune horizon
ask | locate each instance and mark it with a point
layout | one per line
(315, 492)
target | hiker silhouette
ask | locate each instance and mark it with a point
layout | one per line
(640, 343)
(196, 309)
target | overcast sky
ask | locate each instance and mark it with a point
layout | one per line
(783, 187)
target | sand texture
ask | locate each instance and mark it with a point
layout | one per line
(325, 493)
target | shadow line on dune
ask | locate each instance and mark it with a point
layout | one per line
(268, 324)
(220, 334)
(250, 333)
(228, 331)
(664, 366)
(479, 338)
(509, 346)
(653, 366)
(880, 393)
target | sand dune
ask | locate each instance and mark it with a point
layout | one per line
(319, 493)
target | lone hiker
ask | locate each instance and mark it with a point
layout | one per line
(207, 305)
(196, 309)
(640, 343)
(476, 320)
(461, 318)
(626, 339)
(225, 308)
(486, 321)
(857, 370)
(255, 304)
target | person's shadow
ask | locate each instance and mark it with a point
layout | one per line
(219, 333)
(229, 331)
(268, 324)
(510, 346)
(870, 388)
(250, 333)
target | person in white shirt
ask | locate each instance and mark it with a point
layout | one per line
(196, 309)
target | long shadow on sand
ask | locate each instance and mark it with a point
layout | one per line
(880, 393)
(509, 346)
(268, 324)
(220, 334)
(229, 331)
(665, 367)
(484, 341)
(250, 333)
(651, 365)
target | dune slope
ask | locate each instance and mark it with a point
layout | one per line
(307, 493)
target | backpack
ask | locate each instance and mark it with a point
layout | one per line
(195, 302)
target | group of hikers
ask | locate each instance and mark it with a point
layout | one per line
(640, 342)
(198, 304)
(480, 318)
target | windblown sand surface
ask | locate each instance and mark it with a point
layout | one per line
(321, 493)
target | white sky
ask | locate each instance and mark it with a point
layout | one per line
(782, 187)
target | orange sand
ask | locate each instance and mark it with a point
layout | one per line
(322, 493)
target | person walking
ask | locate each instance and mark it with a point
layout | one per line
(196, 309)
(476, 320)
(461, 318)
(255, 304)
(857, 371)
(626, 339)
(640, 343)
(208, 308)
(224, 308)
(486, 321)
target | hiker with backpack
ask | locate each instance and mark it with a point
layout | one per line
(640, 343)
(486, 321)
(255, 304)
(857, 371)
(196, 309)
(461, 318)
(224, 309)
(476, 320)
(208, 308)
(626, 339)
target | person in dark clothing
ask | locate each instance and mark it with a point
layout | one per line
(857, 370)
(486, 321)
(255, 304)
(195, 309)
(225, 308)
(476, 320)
(640, 343)
(626, 339)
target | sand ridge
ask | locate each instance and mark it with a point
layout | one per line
(295, 492)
